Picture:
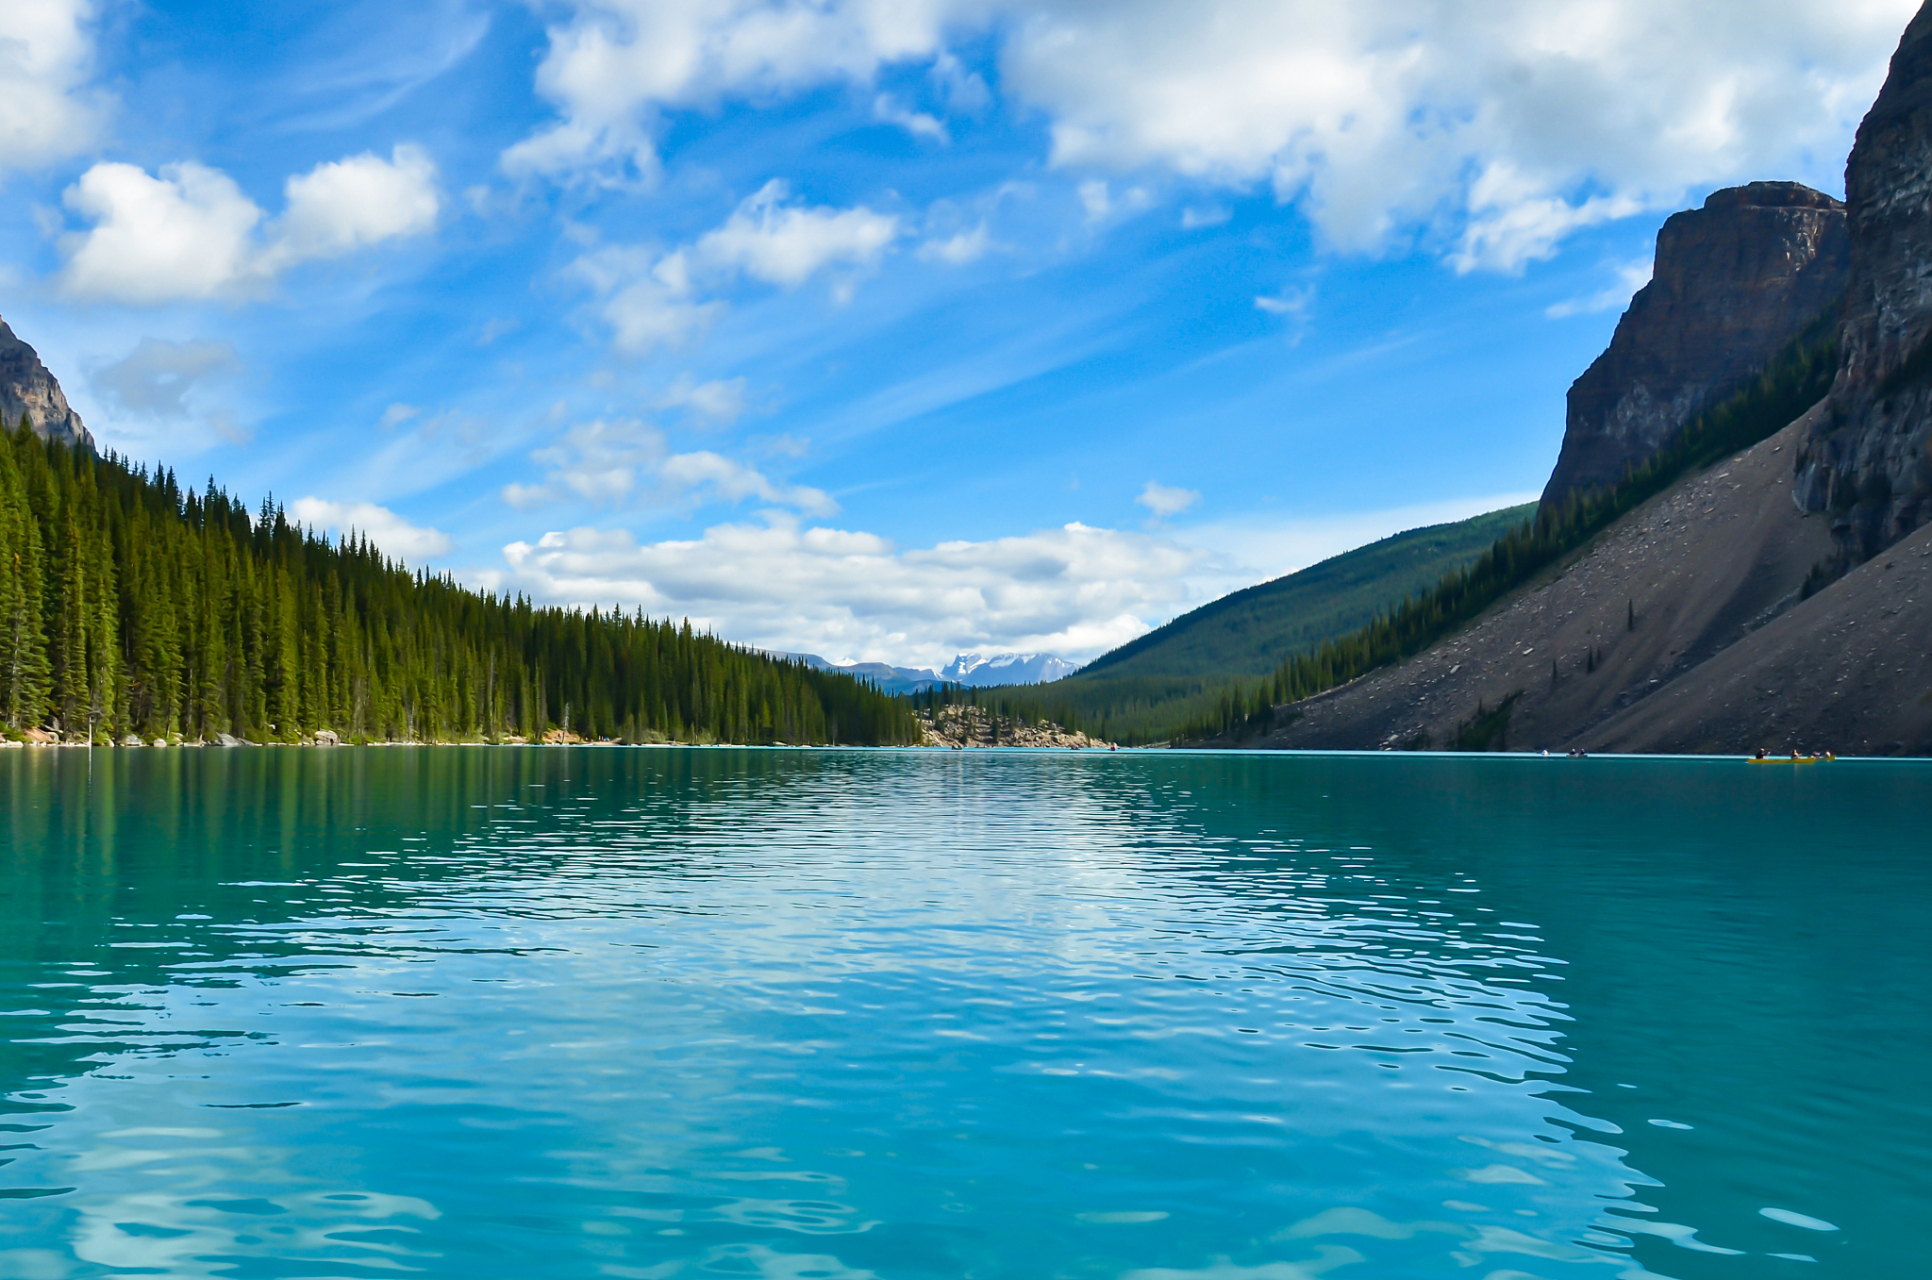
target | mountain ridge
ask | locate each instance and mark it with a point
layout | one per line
(28, 390)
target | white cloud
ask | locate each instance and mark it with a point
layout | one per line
(654, 301)
(720, 402)
(345, 205)
(397, 414)
(385, 528)
(919, 124)
(1630, 277)
(158, 375)
(648, 304)
(1288, 302)
(623, 461)
(614, 64)
(1165, 500)
(958, 250)
(1513, 222)
(1377, 113)
(46, 57)
(786, 244)
(1076, 590)
(714, 474)
(1495, 129)
(190, 232)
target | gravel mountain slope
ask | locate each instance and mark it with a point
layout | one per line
(1675, 582)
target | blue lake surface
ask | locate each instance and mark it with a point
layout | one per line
(834, 1015)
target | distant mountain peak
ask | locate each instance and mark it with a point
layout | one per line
(27, 388)
(1007, 668)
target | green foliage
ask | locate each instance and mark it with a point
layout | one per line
(1248, 632)
(1488, 729)
(127, 606)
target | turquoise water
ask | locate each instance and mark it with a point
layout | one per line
(504, 1012)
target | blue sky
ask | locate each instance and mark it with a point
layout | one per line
(881, 330)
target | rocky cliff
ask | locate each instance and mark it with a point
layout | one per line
(27, 388)
(1867, 461)
(1733, 283)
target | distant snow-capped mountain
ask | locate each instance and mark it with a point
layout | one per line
(1007, 668)
(974, 669)
(886, 677)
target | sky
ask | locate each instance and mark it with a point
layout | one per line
(879, 329)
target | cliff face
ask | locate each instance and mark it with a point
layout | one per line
(1867, 461)
(26, 387)
(1733, 283)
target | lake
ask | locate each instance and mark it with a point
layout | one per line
(832, 1015)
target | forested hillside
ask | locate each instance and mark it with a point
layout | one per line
(130, 607)
(1248, 632)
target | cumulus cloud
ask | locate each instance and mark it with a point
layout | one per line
(158, 375)
(655, 300)
(380, 525)
(1496, 128)
(621, 461)
(189, 232)
(1075, 590)
(1165, 500)
(46, 58)
(345, 205)
(788, 244)
(1516, 121)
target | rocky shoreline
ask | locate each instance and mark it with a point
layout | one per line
(960, 727)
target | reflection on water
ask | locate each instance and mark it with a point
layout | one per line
(543, 1012)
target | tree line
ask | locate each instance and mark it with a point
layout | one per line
(128, 606)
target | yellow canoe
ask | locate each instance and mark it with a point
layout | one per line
(1791, 759)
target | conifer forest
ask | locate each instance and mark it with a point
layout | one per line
(131, 607)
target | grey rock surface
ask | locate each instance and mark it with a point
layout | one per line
(1867, 462)
(27, 388)
(1715, 559)
(1734, 283)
